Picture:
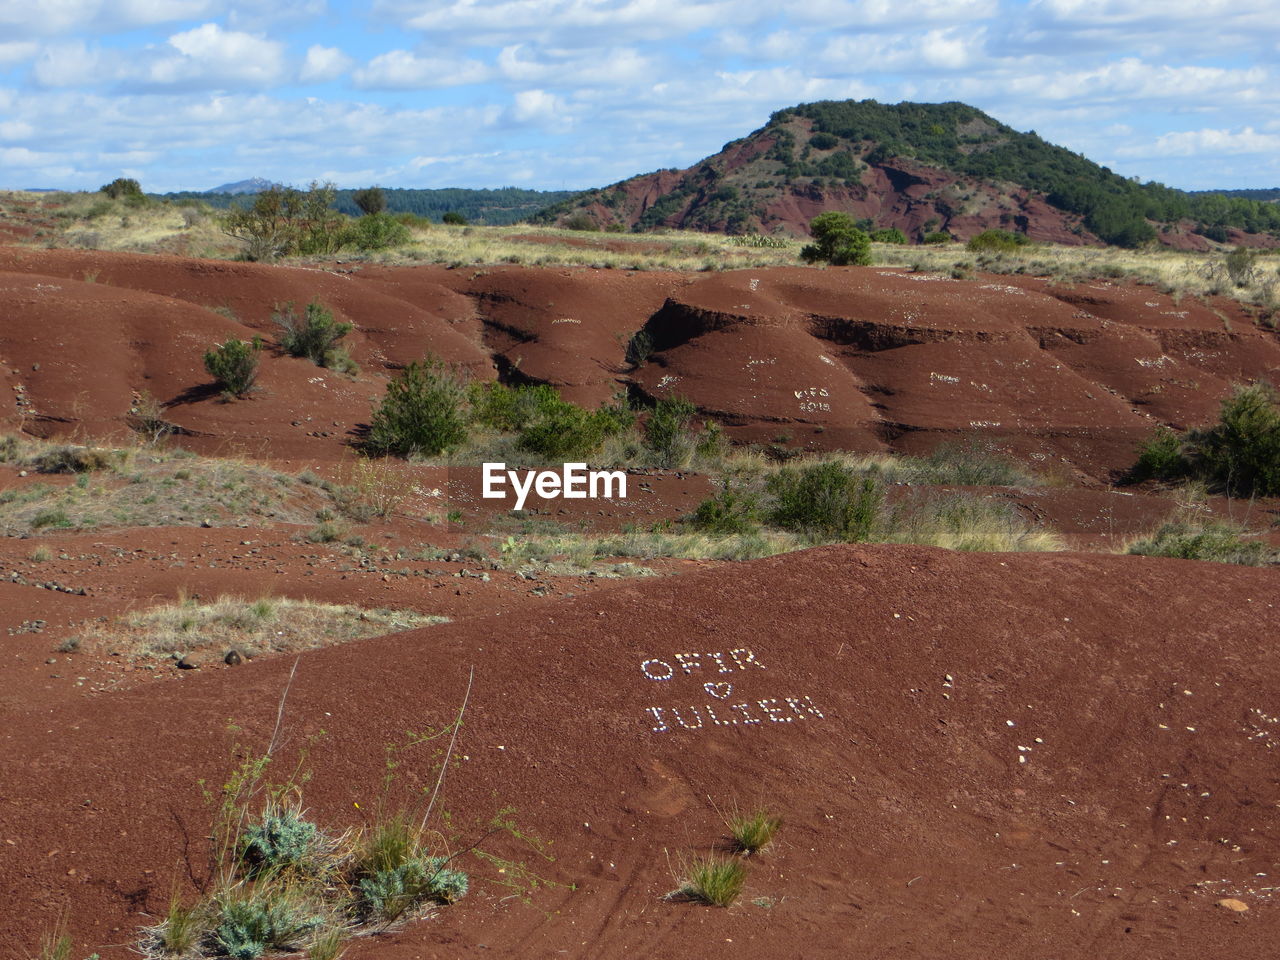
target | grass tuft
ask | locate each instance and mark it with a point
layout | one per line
(714, 880)
(754, 831)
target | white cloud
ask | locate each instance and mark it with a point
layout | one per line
(209, 54)
(54, 17)
(541, 107)
(566, 22)
(613, 67)
(324, 63)
(16, 52)
(402, 70)
(1192, 143)
(69, 65)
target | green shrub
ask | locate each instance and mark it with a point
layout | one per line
(581, 220)
(1215, 541)
(421, 413)
(716, 881)
(501, 407)
(454, 219)
(966, 464)
(1241, 452)
(1240, 266)
(249, 924)
(997, 241)
(1160, 457)
(565, 433)
(371, 200)
(122, 187)
(824, 141)
(390, 892)
(234, 364)
(888, 235)
(666, 432)
(838, 241)
(936, 237)
(376, 231)
(280, 840)
(728, 512)
(51, 517)
(826, 501)
(313, 336)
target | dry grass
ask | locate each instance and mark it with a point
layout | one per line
(1176, 272)
(253, 627)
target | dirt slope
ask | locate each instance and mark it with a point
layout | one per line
(860, 358)
(1022, 756)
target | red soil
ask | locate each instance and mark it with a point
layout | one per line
(1007, 755)
(978, 763)
(857, 358)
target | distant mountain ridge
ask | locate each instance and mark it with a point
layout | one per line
(240, 187)
(919, 167)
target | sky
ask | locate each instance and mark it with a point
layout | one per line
(570, 94)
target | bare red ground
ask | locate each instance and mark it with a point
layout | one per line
(1021, 756)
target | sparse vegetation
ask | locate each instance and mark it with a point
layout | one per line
(1219, 541)
(234, 365)
(315, 335)
(254, 628)
(1240, 454)
(752, 832)
(421, 413)
(712, 879)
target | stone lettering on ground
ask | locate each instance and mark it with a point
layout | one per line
(703, 695)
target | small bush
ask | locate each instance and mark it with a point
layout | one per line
(888, 235)
(421, 413)
(715, 881)
(728, 512)
(122, 187)
(639, 347)
(454, 219)
(234, 365)
(581, 221)
(826, 501)
(376, 231)
(997, 241)
(248, 924)
(564, 433)
(1160, 458)
(281, 839)
(666, 432)
(936, 237)
(1219, 542)
(1241, 452)
(1240, 266)
(313, 336)
(371, 200)
(838, 241)
(967, 464)
(51, 517)
(394, 873)
(70, 459)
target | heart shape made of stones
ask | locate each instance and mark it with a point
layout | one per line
(720, 691)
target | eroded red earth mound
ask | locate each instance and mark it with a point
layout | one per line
(864, 359)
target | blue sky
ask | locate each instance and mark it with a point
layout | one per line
(566, 94)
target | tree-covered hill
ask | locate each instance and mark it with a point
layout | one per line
(913, 166)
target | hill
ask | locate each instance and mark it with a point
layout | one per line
(252, 185)
(919, 167)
